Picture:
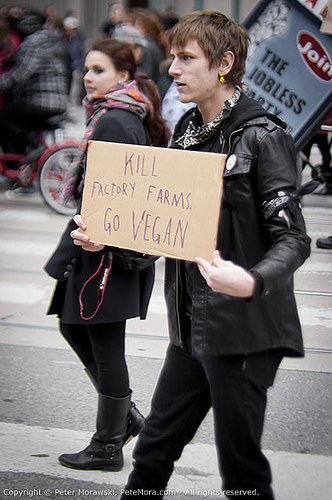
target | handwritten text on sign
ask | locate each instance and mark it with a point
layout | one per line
(153, 200)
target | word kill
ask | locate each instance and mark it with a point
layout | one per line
(137, 165)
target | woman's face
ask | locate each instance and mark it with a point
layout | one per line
(100, 74)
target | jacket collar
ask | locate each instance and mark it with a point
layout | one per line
(245, 113)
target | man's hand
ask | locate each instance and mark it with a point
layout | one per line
(224, 276)
(81, 239)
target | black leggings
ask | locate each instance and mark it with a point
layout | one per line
(103, 347)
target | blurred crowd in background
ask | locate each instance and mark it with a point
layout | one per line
(145, 31)
(64, 45)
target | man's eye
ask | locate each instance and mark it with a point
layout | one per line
(99, 71)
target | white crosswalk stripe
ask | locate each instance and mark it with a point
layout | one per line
(23, 247)
(22, 293)
(32, 448)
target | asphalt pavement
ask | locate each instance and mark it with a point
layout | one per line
(48, 404)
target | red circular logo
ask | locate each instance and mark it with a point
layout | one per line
(314, 55)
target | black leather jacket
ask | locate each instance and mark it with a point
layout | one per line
(269, 241)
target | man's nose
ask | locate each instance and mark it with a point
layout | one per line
(173, 69)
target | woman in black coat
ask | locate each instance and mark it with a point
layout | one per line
(121, 107)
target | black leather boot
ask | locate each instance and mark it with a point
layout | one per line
(105, 449)
(135, 418)
(135, 423)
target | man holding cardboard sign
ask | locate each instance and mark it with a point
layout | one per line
(230, 324)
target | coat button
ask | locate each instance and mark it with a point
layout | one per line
(73, 260)
(66, 274)
(69, 267)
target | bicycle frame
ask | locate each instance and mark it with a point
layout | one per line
(46, 164)
(21, 158)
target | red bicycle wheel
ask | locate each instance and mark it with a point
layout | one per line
(54, 165)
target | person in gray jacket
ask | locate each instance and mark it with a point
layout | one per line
(37, 83)
(233, 320)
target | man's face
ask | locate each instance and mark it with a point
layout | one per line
(195, 80)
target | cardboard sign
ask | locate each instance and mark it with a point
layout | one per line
(153, 200)
(289, 66)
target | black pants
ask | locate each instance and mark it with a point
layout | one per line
(236, 386)
(323, 145)
(103, 346)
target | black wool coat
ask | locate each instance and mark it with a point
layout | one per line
(130, 283)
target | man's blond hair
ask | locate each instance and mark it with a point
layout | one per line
(215, 34)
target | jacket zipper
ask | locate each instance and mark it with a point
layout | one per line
(230, 139)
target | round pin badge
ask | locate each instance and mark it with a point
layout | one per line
(230, 163)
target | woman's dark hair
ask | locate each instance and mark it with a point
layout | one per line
(120, 54)
(156, 125)
(123, 59)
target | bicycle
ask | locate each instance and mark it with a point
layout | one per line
(46, 165)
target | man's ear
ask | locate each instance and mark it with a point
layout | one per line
(227, 62)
